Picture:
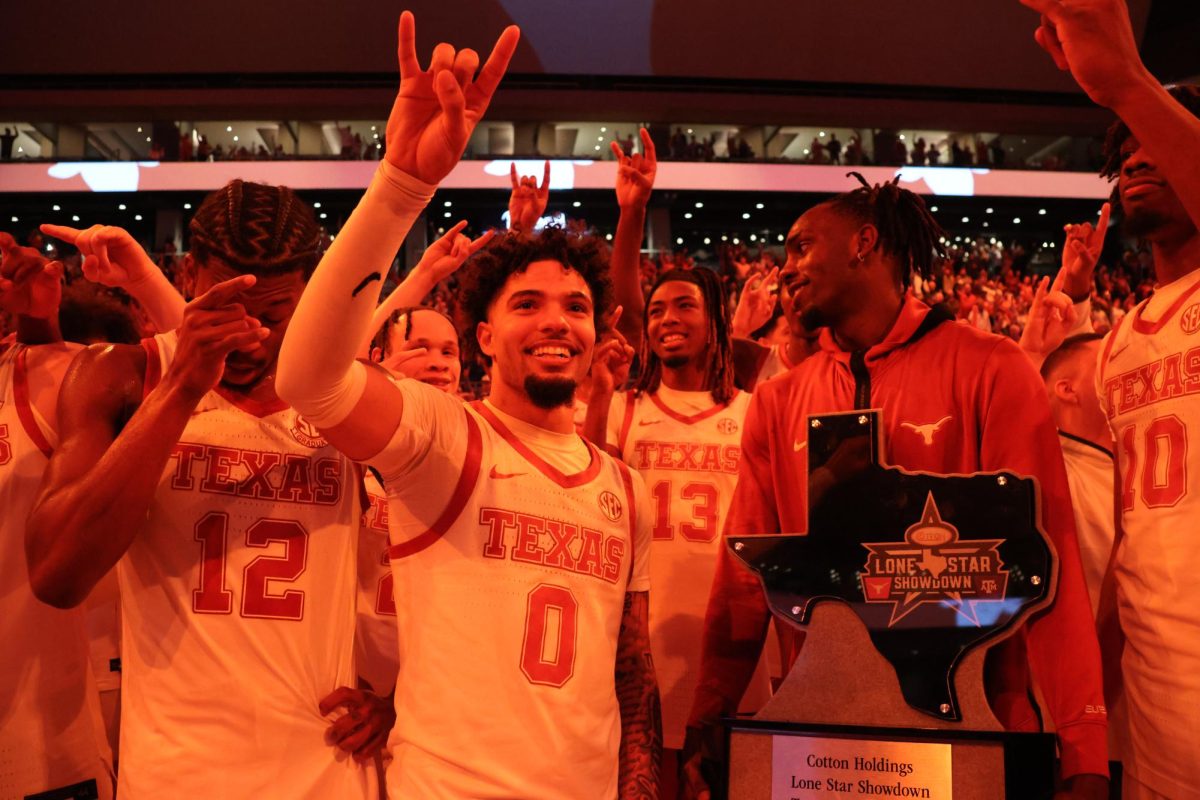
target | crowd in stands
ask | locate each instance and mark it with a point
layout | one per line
(881, 147)
(987, 284)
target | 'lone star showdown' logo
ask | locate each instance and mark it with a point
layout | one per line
(933, 566)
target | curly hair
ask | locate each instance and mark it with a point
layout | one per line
(1188, 96)
(907, 230)
(489, 270)
(256, 229)
(720, 340)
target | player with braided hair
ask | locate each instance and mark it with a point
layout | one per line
(907, 230)
(231, 524)
(257, 229)
(953, 400)
(680, 428)
(706, 351)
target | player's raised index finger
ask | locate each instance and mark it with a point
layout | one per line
(545, 176)
(497, 63)
(512, 173)
(64, 232)
(407, 49)
(617, 151)
(648, 150)
(224, 291)
(476, 245)
(453, 232)
(1102, 225)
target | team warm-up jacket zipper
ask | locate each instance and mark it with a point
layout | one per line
(862, 379)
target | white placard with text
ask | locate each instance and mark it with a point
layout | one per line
(819, 768)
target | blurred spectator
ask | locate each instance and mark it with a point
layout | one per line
(997, 150)
(678, 145)
(835, 149)
(345, 140)
(981, 152)
(6, 144)
(854, 150)
(959, 156)
(816, 151)
(918, 152)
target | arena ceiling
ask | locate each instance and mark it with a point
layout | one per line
(960, 65)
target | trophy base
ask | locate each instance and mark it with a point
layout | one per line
(788, 761)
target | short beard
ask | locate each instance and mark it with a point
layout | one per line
(675, 362)
(813, 319)
(1141, 224)
(549, 393)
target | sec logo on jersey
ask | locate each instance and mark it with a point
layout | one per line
(727, 426)
(1189, 320)
(306, 433)
(610, 504)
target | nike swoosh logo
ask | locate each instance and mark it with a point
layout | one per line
(492, 473)
(642, 422)
(1117, 350)
(798, 446)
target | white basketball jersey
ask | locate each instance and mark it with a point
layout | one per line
(375, 648)
(238, 604)
(510, 599)
(689, 458)
(1148, 380)
(51, 734)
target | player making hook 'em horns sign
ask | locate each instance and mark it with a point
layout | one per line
(1144, 382)
(528, 200)
(518, 550)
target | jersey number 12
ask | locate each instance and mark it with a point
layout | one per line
(258, 601)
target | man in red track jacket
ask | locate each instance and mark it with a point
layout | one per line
(954, 400)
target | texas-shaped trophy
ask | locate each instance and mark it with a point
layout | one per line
(901, 585)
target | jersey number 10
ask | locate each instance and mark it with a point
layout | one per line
(1163, 466)
(214, 597)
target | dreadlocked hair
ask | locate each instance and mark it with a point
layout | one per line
(486, 273)
(907, 231)
(720, 341)
(256, 229)
(402, 319)
(1188, 96)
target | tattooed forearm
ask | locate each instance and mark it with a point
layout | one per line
(637, 694)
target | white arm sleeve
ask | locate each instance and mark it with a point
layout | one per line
(410, 292)
(1083, 318)
(318, 374)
